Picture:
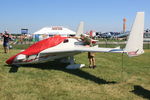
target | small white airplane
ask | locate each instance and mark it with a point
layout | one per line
(58, 47)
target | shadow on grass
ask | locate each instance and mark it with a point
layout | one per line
(13, 68)
(61, 66)
(140, 91)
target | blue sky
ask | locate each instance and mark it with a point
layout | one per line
(98, 15)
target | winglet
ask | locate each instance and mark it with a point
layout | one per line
(134, 45)
(80, 29)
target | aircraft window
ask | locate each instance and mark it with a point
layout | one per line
(66, 40)
(31, 57)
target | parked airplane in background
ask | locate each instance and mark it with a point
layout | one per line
(113, 35)
(122, 35)
(58, 47)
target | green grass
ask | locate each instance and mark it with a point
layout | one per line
(51, 81)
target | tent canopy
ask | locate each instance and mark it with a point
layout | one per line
(55, 30)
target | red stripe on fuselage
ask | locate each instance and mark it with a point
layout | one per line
(39, 46)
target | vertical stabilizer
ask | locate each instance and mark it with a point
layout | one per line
(134, 45)
(80, 29)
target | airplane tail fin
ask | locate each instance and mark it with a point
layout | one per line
(134, 46)
(80, 29)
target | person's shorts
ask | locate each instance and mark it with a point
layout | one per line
(91, 55)
(5, 44)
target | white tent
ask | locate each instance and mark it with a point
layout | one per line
(55, 30)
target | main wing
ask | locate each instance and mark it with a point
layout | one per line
(78, 49)
(98, 49)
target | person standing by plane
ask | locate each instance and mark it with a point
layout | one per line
(92, 62)
(6, 39)
(91, 55)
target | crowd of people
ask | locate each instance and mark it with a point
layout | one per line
(8, 39)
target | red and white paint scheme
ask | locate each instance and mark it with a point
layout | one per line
(58, 47)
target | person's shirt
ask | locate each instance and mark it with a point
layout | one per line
(6, 38)
(86, 40)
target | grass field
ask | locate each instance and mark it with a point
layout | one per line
(111, 80)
